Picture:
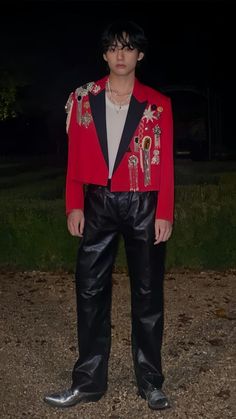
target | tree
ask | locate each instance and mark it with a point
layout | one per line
(9, 87)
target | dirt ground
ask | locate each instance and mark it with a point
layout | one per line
(38, 347)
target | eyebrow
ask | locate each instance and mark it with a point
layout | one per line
(122, 46)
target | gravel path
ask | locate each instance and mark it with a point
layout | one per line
(38, 347)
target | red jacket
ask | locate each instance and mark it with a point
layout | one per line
(145, 156)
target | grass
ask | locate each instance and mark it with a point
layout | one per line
(33, 232)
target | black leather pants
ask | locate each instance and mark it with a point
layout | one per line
(107, 214)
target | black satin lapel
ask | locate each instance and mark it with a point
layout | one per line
(134, 115)
(98, 109)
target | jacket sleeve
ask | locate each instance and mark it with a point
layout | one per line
(74, 188)
(165, 204)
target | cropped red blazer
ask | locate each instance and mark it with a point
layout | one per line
(144, 160)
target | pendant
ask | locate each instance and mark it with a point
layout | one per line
(79, 109)
(156, 157)
(146, 145)
(68, 109)
(157, 134)
(136, 144)
(133, 172)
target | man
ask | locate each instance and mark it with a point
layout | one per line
(120, 147)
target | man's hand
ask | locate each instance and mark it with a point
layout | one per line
(75, 222)
(163, 230)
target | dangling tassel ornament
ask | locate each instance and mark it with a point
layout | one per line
(133, 172)
(146, 145)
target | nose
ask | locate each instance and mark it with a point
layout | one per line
(120, 53)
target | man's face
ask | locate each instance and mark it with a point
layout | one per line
(122, 57)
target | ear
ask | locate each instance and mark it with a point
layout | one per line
(104, 57)
(140, 56)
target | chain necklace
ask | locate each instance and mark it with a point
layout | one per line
(117, 104)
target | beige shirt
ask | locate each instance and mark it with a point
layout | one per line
(115, 121)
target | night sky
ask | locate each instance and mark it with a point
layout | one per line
(52, 47)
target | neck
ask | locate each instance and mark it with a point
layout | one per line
(117, 96)
(121, 85)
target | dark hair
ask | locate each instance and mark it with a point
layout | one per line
(127, 33)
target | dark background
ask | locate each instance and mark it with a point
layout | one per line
(51, 47)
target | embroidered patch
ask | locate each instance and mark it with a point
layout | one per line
(86, 119)
(149, 114)
(159, 111)
(80, 92)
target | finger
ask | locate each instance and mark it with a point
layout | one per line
(69, 226)
(157, 234)
(164, 235)
(167, 234)
(158, 241)
(76, 230)
(81, 227)
(73, 228)
(159, 237)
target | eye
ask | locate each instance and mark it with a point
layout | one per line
(128, 48)
(112, 48)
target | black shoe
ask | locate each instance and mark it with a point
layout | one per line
(156, 398)
(71, 397)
